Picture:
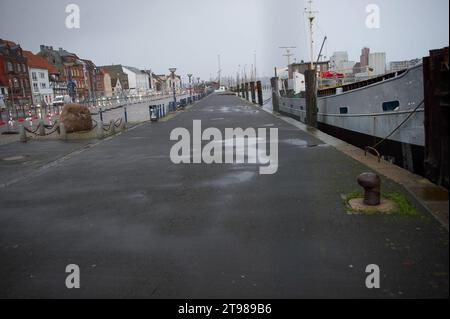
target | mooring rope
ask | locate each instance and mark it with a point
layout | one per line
(400, 125)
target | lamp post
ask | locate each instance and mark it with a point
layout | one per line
(11, 87)
(172, 71)
(190, 85)
(94, 95)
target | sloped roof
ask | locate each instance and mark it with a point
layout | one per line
(112, 69)
(132, 69)
(9, 43)
(38, 62)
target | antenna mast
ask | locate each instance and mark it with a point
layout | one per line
(220, 69)
(288, 53)
(254, 65)
(311, 16)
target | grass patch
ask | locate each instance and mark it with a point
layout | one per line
(404, 207)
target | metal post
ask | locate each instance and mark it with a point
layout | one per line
(172, 71)
(275, 94)
(252, 91)
(311, 99)
(260, 93)
(190, 85)
(126, 115)
(101, 115)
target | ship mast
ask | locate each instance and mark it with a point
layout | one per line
(219, 72)
(311, 16)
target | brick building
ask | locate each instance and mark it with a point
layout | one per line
(70, 69)
(14, 74)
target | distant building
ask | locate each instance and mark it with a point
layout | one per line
(117, 88)
(402, 65)
(377, 62)
(303, 66)
(14, 76)
(151, 80)
(39, 72)
(176, 81)
(107, 87)
(118, 78)
(357, 68)
(339, 63)
(138, 80)
(159, 83)
(364, 58)
(71, 70)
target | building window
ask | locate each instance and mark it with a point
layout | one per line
(42, 75)
(391, 106)
(35, 87)
(16, 83)
(24, 68)
(43, 86)
(33, 75)
(10, 67)
(343, 110)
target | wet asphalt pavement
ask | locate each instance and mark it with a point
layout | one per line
(140, 226)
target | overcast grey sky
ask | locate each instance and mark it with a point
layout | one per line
(159, 34)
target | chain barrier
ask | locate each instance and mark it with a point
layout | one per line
(118, 121)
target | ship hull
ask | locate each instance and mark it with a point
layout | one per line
(358, 117)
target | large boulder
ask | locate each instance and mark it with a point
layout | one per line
(76, 118)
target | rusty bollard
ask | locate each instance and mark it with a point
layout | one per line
(372, 188)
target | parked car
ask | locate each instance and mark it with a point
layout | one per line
(61, 100)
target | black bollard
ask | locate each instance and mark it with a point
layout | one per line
(372, 188)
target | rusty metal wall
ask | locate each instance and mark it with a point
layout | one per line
(436, 88)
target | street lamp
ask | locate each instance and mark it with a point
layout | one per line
(190, 85)
(172, 71)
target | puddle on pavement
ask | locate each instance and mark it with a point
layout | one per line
(231, 179)
(302, 143)
(14, 158)
(242, 147)
(237, 109)
(138, 197)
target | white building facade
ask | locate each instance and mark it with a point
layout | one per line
(40, 86)
(339, 63)
(377, 62)
(395, 66)
(138, 81)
